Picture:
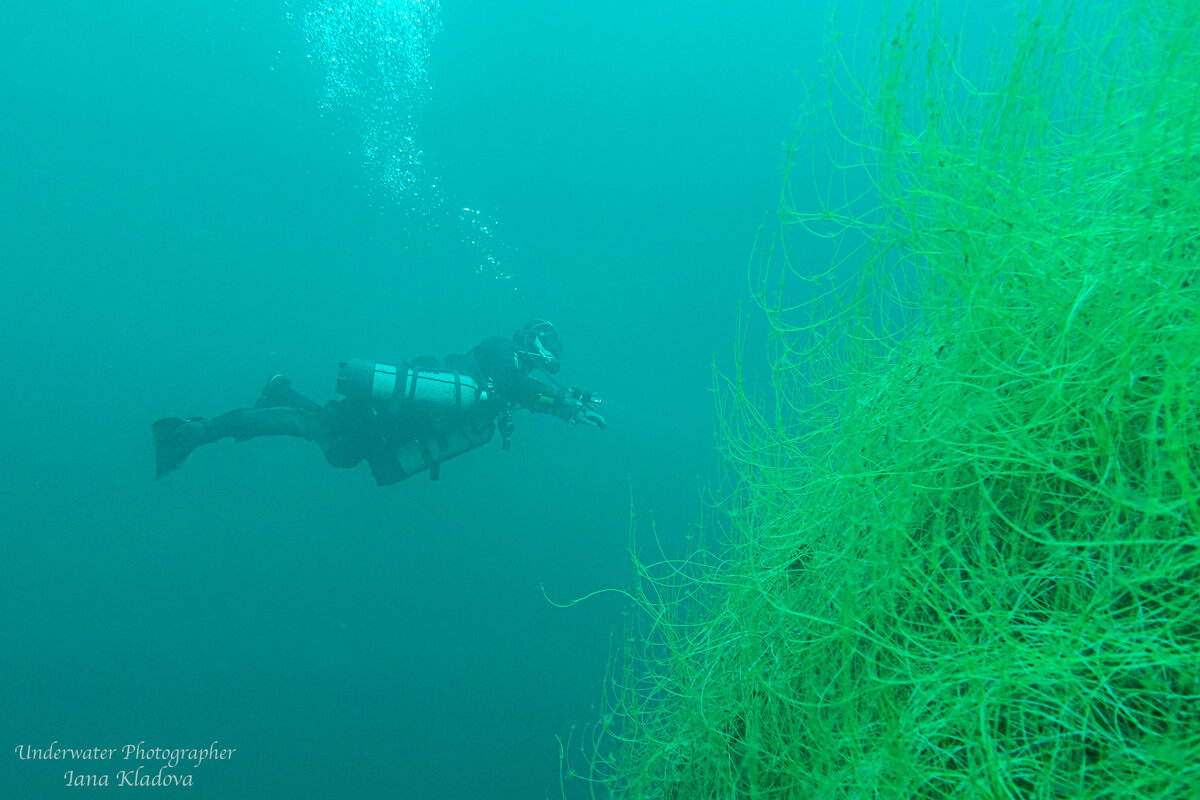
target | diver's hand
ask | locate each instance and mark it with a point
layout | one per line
(589, 417)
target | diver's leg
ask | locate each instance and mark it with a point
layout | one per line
(175, 439)
(247, 423)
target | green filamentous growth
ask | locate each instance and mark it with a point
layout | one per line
(964, 559)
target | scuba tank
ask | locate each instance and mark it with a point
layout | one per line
(428, 453)
(430, 411)
(396, 388)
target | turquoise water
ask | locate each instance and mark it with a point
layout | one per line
(195, 199)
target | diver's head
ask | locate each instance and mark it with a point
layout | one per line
(538, 346)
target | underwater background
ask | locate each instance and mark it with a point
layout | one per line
(199, 195)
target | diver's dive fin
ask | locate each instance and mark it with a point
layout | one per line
(172, 444)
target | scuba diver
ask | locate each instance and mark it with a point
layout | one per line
(402, 418)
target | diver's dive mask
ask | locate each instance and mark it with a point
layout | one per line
(538, 346)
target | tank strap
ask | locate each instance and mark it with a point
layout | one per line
(430, 461)
(412, 375)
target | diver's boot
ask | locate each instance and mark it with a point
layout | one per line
(279, 392)
(275, 393)
(175, 439)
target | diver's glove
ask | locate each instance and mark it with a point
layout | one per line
(578, 405)
(589, 417)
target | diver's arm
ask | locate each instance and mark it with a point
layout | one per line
(496, 358)
(572, 405)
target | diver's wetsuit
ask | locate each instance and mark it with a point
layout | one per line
(349, 430)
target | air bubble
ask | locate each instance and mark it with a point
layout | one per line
(375, 56)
